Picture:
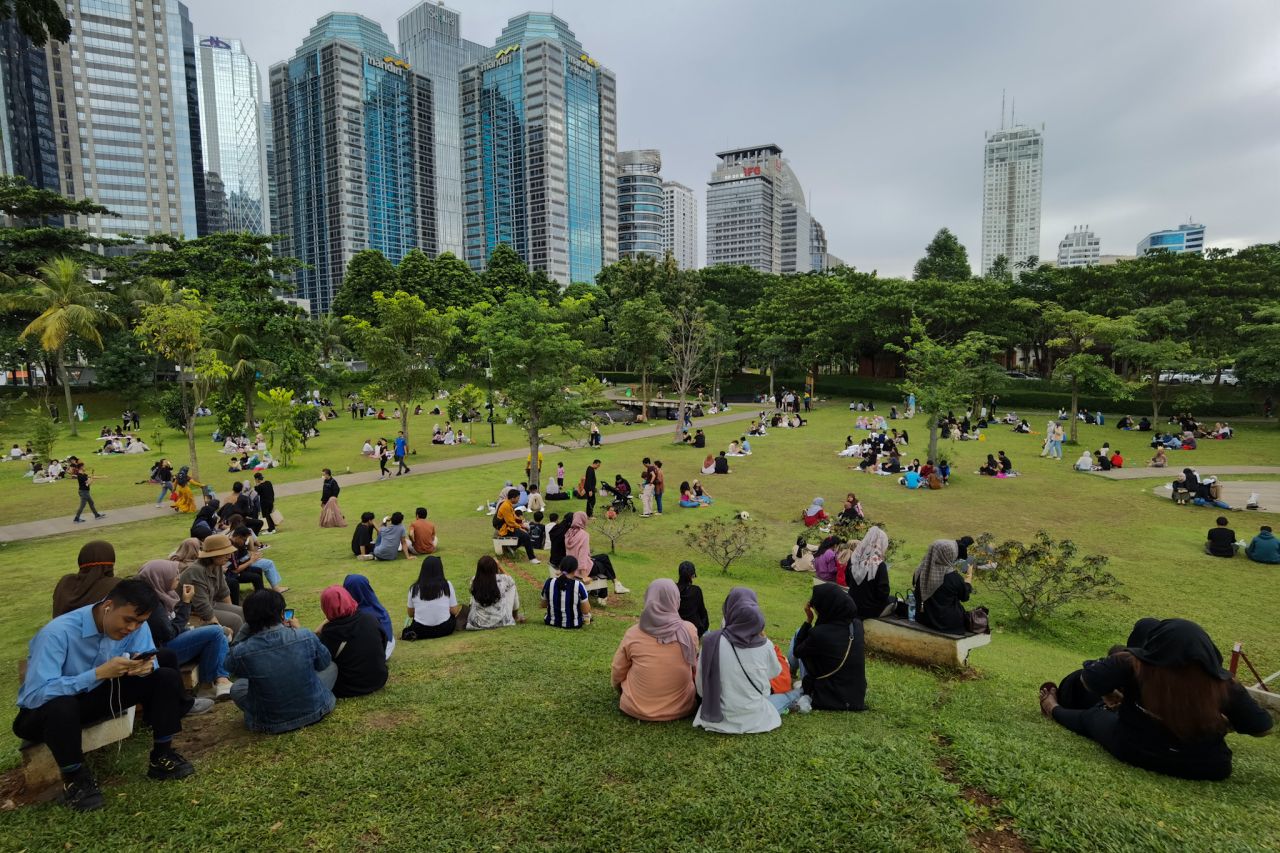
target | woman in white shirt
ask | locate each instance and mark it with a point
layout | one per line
(494, 601)
(1085, 462)
(433, 605)
(734, 670)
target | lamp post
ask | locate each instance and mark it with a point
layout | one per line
(488, 374)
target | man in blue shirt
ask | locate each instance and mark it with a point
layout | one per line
(93, 663)
(401, 448)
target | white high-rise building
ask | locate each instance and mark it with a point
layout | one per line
(796, 224)
(1080, 248)
(680, 224)
(1012, 177)
(744, 208)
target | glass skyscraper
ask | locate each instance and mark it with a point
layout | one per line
(430, 39)
(539, 144)
(126, 118)
(744, 208)
(28, 145)
(640, 203)
(354, 153)
(232, 136)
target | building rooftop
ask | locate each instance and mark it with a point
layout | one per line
(771, 147)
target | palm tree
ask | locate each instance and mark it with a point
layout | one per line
(66, 304)
(236, 344)
(329, 330)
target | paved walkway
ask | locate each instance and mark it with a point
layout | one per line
(1237, 493)
(1175, 469)
(127, 515)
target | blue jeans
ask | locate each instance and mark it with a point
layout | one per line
(207, 646)
(268, 568)
(657, 496)
(795, 663)
(783, 701)
(165, 488)
(1210, 502)
(1055, 450)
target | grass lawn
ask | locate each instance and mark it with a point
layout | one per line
(511, 739)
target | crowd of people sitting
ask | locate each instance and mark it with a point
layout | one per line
(117, 440)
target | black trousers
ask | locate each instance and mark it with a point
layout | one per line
(58, 722)
(86, 499)
(418, 631)
(267, 509)
(253, 576)
(591, 503)
(602, 567)
(401, 468)
(523, 541)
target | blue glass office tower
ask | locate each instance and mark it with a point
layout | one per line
(354, 153)
(1184, 238)
(231, 136)
(539, 150)
(641, 204)
(28, 145)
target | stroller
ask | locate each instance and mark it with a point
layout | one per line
(620, 494)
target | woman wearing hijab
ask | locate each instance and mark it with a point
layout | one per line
(355, 643)
(206, 521)
(815, 514)
(868, 576)
(555, 536)
(367, 600)
(940, 589)
(692, 608)
(709, 464)
(577, 544)
(734, 670)
(433, 604)
(1164, 703)
(91, 584)
(206, 645)
(654, 664)
(832, 651)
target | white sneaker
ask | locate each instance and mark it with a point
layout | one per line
(200, 706)
(480, 508)
(619, 588)
(222, 691)
(535, 562)
(804, 704)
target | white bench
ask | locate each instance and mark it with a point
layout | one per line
(911, 641)
(502, 543)
(600, 585)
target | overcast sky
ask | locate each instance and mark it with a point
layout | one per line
(1153, 111)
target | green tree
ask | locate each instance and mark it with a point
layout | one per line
(1077, 334)
(403, 346)
(1158, 348)
(280, 424)
(794, 322)
(537, 361)
(686, 355)
(368, 272)
(1258, 361)
(450, 282)
(223, 266)
(413, 275)
(944, 258)
(39, 20)
(67, 305)
(639, 336)
(124, 367)
(28, 241)
(1000, 270)
(234, 337)
(505, 275)
(329, 333)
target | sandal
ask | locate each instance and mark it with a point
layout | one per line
(1047, 690)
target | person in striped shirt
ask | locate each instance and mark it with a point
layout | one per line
(565, 598)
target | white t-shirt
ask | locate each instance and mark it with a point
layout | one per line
(433, 612)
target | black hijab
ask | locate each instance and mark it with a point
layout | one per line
(833, 605)
(962, 547)
(1176, 642)
(1192, 482)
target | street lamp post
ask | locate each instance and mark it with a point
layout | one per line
(488, 374)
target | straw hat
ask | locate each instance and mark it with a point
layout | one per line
(216, 545)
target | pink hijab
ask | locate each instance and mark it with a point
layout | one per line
(661, 620)
(336, 602)
(161, 574)
(577, 543)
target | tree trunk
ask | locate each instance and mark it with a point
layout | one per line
(404, 423)
(66, 390)
(1075, 407)
(933, 438)
(1155, 398)
(644, 392)
(189, 413)
(535, 444)
(250, 395)
(715, 383)
(772, 370)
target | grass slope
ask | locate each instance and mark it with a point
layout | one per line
(511, 739)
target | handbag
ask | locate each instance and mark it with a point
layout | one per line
(277, 517)
(977, 621)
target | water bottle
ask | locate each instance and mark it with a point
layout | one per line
(911, 606)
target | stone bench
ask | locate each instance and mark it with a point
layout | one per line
(911, 641)
(502, 543)
(599, 585)
(40, 771)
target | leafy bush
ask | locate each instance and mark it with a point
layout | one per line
(1041, 577)
(44, 433)
(228, 412)
(279, 423)
(850, 530)
(169, 405)
(723, 539)
(463, 400)
(305, 419)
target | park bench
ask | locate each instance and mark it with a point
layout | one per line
(599, 585)
(503, 544)
(40, 771)
(911, 641)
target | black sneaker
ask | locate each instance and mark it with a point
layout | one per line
(81, 792)
(169, 765)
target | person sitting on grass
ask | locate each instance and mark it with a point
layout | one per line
(940, 589)
(868, 576)
(990, 468)
(911, 479)
(692, 608)
(565, 598)
(734, 449)
(90, 585)
(422, 534)
(81, 669)
(831, 651)
(814, 514)
(720, 465)
(538, 531)
(1264, 548)
(735, 667)
(362, 591)
(206, 645)
(1163, 702)
(1160, 460)
(700, 494)
(555, 537)
(687, 498)
(284, 674)
(433, 604)
(1006, 465)
(393, 539)
(1117, 461)
(355, 643)
(1221, 540)
(247, 556)
(653, 668)
(1085, 462)
(494, 602)
(363, 537)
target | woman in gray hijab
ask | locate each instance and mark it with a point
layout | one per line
(734, 670)
(940, 589)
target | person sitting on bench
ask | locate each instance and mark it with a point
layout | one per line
(940, 590)
(868, 576)
(510, 527)
(89, 663)
(1163, 703)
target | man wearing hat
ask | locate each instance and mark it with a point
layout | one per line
(91, 584)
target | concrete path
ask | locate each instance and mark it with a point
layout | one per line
(1236, 493)
(1175, 469)
(127, 515)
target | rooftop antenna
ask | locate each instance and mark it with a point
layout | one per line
(1013, 112)
(1002, 109)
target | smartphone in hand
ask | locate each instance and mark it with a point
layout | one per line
(288, 614)
(143, 655)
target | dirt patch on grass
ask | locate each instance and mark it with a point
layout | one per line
(998, 838)
(384, 721)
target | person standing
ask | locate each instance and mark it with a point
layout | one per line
(659, 485)
(164, 473)
(266, 500)
(589, 486)
(330, 512)
(401, 448)
(83, 481)
(596, 438)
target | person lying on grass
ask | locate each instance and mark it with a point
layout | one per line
(1162, 702)
(653, 668)
(86, 665)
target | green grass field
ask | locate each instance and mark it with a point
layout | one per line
(512, 740)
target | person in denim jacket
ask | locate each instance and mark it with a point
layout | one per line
(284, 674)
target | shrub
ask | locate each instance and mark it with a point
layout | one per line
(1041, 577)
(44, 433)
(850, 530)
(279, 423)
(169, 405)
(723, 539)
(228, 412)
(305, 419)
(463, 400)
(615, 525)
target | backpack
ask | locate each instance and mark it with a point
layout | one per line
(497, 521)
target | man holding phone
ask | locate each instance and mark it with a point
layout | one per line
(93, 663)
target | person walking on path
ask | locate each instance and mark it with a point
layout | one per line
(266, 500)
(401, 448)
(589, 486)
(164, 473)
(83, 481)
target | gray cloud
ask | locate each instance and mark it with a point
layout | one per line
(1154, 111)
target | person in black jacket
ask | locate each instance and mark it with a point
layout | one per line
(330, 488)
(589, 486)
(692, 608)
(868, 576)
(1221, 540)
(206, 521)
(266, 500)
(831, 651)
(555, 536)
(940, 589)
(355, 642)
